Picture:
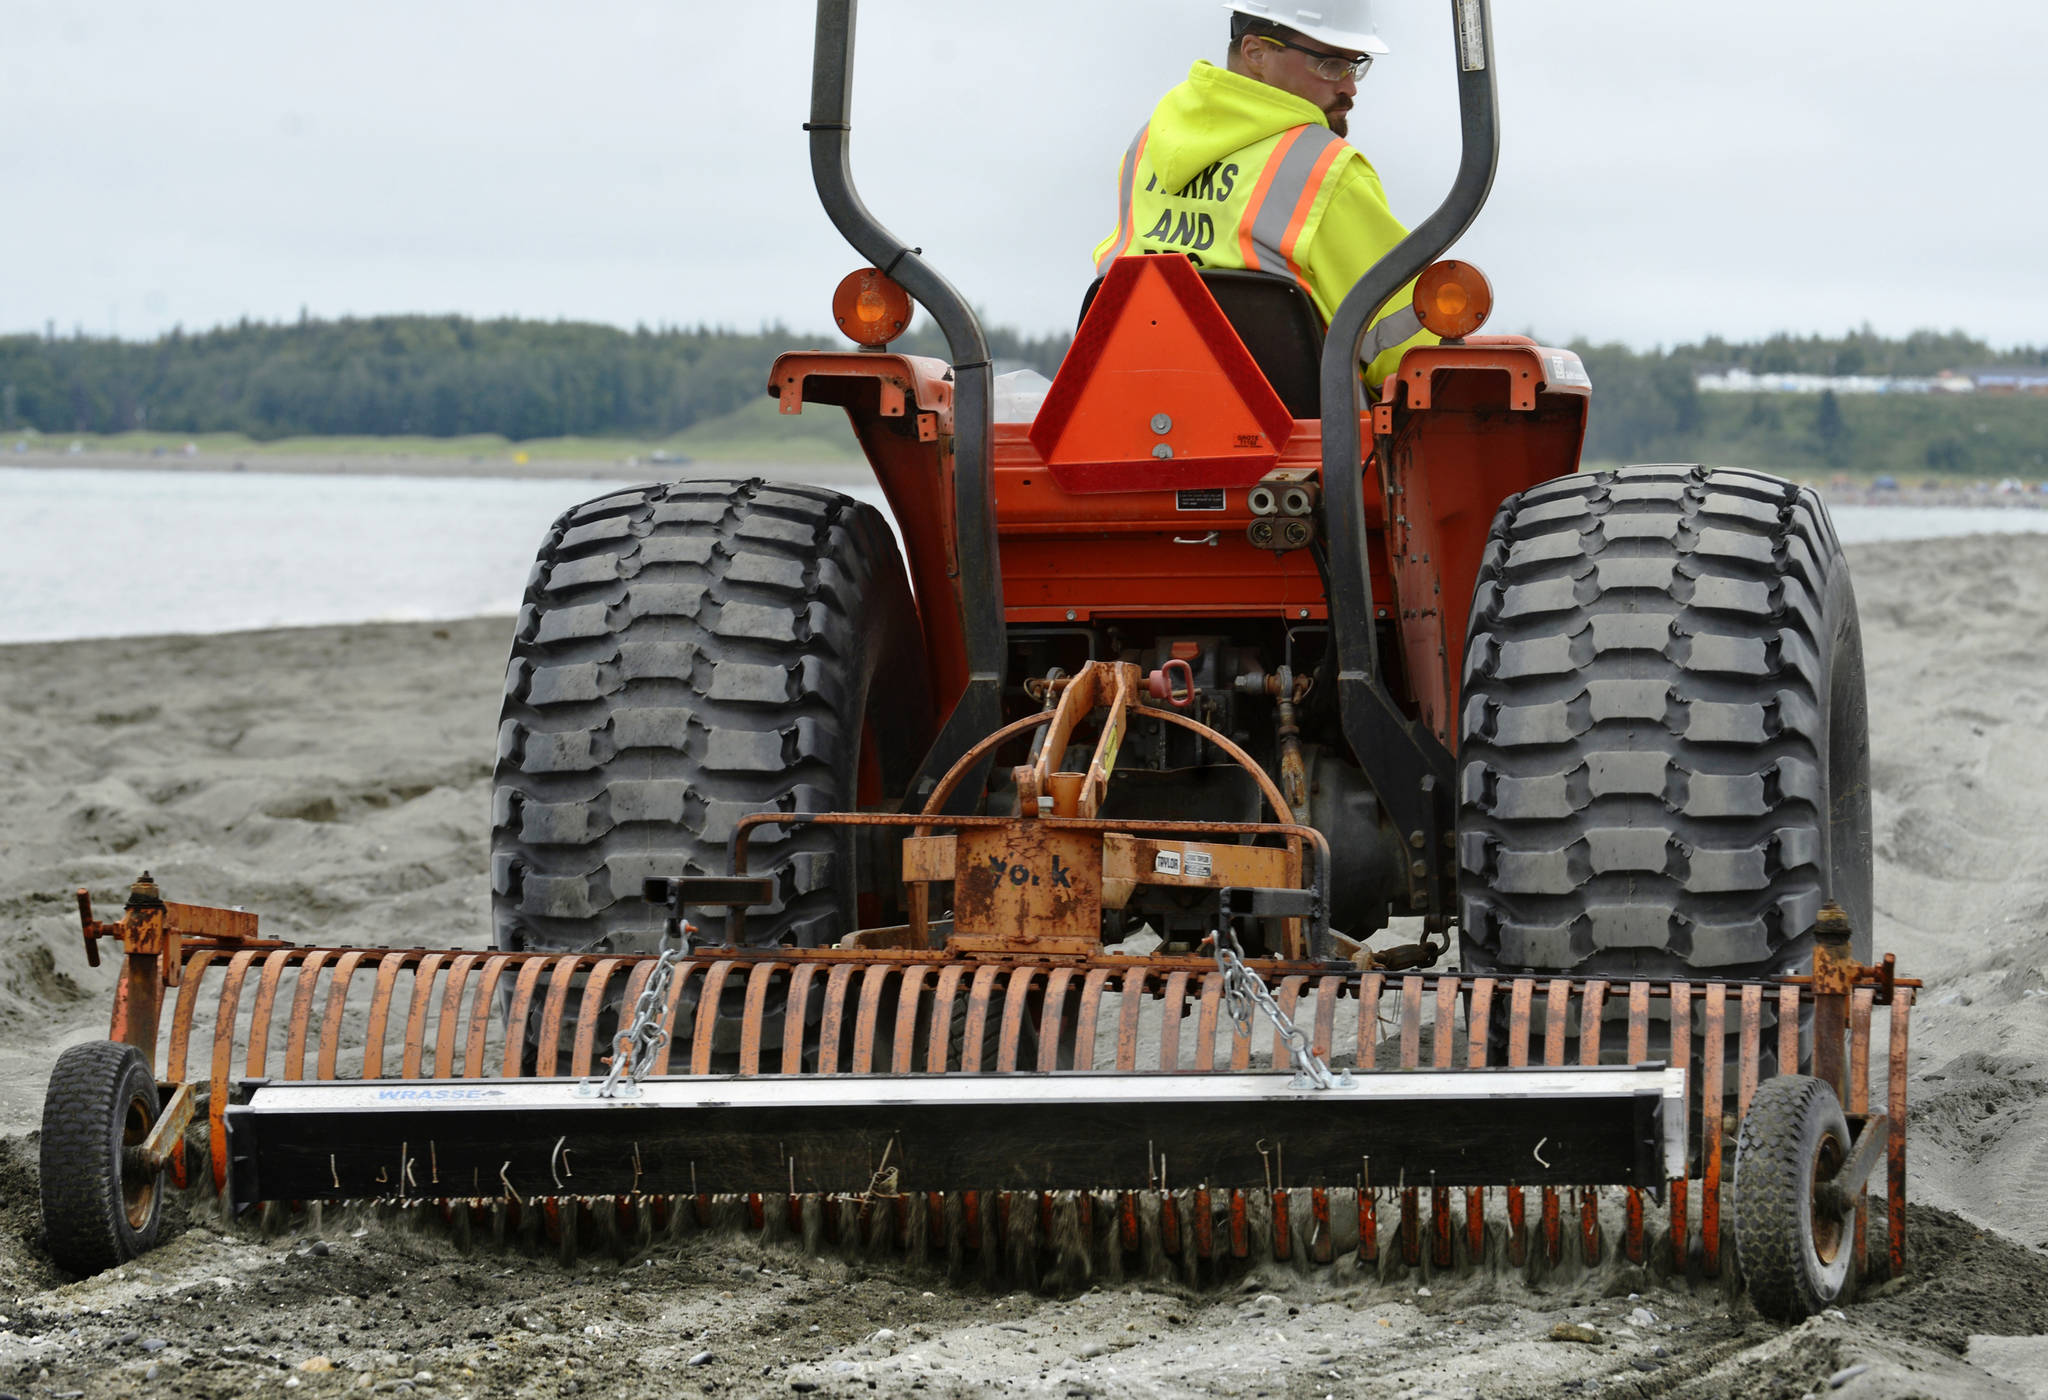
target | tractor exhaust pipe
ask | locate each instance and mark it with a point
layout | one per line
(979, 587)
(1417, 792)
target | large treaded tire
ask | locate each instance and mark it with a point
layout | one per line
(1793, 1136)
(688, 654)
(98, 1211)
(1664, 759)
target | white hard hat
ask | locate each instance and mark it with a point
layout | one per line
(1342, 24)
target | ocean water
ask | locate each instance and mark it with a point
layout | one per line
(94, 553)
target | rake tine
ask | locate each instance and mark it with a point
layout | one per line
(676, 987)
(1169, 1025)
(1681, 1058)
(759, 978)
(1714, 1050)
(479, 1012)
(223, 1063)
(1130, 1007)
(547, 1056)
(451, 1013)
(302, 1012)
(873, 983)
(1411, 1022)
(1086, 1017)
(380, 1014)
(909, 1001)
(1327, 992)
(193, 974)
(1895, 1106)
(977, 1019)
(704, 1029)
(267, 983)
(938, 1044)
(587, 1014)
(832, 1025)
(1638, 1051)
(1860, 1003)
(1557, 999)
(1518, 1056)
(1478, 1019)
(337, 1005)
(794, 1015)
(1016, 1006)
(1052, 1018)
(1205, 1026)
(1592, 1012)
(1788, 1029)
(1751, 1047)
(530, 969)
(1290, 999)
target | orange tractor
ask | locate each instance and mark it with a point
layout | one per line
(1008, 897)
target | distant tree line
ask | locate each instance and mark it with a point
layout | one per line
(436, 376)
(443, 376)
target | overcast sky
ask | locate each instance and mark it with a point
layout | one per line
(1669, 170)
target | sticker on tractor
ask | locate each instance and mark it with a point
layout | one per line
(1166, 863)
(1199, 500)
(1567, 368)
(1199, 865)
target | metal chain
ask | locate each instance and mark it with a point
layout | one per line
(635, 1049)
(1244, 992)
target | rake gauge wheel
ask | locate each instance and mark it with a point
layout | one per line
(101, 1204)
(1794, 1249)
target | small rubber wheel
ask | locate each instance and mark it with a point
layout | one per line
(1795, 1250)
(101, 1205)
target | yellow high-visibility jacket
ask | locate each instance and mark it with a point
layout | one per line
(1236, 173)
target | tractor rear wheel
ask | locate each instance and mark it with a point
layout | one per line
(688, 654)
(1664, 759)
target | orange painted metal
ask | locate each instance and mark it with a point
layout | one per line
(1158, 392)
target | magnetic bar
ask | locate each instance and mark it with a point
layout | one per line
(722, 1135)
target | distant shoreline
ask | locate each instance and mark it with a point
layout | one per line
(400, 464)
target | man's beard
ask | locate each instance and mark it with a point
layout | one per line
(1340, 119)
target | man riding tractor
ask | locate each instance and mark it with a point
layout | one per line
(1246, 166)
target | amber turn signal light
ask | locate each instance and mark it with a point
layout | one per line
(870, 307)
(1453, 298)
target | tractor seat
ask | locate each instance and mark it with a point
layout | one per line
(1278, 324)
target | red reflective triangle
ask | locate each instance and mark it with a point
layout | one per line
(1156, 349)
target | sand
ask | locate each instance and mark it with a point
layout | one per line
(337, 780)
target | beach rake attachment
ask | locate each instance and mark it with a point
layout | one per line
(1048, 1119)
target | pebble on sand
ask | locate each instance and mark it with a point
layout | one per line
(1575, 1332)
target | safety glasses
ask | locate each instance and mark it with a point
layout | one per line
(1330, 67)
